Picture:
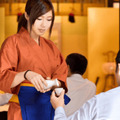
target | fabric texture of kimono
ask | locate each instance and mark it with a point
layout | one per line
(104, 106)
(20, 53)
(79, 90)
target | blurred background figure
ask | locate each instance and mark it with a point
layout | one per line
(4, 98)
(79, 89)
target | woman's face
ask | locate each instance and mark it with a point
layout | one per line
(42, 24)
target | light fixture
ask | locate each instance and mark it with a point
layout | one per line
(71, 15)
(18, 16)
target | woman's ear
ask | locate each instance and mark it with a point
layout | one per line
(26, 16)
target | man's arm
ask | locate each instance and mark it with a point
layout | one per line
(60, 114)
(86, 112)
(58, 104)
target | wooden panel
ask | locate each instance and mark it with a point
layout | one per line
(6, 6)
(103, 36)
(74, 8)
(16, 8)
(88, 5)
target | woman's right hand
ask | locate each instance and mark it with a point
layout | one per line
(37, 80)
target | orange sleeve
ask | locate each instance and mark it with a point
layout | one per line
(61, 71)
(8, 64)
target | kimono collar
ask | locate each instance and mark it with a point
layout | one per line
(26, 36)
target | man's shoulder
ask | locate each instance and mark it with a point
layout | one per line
(79, 79)
(90, 83)
(110, 95)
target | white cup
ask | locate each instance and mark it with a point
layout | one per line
(58, 91)
(51, 83)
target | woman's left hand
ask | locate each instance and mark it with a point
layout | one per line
(52, 88)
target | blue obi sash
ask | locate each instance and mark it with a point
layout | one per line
(36, 105)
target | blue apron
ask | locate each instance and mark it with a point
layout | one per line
(36, 105)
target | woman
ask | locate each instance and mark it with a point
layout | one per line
(26, 57)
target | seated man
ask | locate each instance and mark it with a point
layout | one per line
(79, 89)
(104, 106)
(4, 98)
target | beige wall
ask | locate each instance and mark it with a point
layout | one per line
(74, 35)
(2, 25)
(103, 36)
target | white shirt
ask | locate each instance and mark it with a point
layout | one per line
(79, 90)
(105, 106)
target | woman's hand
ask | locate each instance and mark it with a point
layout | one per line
(56, 86)
(53, 87)
(37, 80)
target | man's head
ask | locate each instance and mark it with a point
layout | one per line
(77, 63)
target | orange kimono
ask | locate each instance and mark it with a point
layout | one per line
(20, 53)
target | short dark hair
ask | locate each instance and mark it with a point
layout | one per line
(34, 9)
(77, 63)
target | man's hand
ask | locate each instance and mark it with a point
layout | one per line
(57, 101)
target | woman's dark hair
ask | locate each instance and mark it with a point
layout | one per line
(77, 63)
(35, 9)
